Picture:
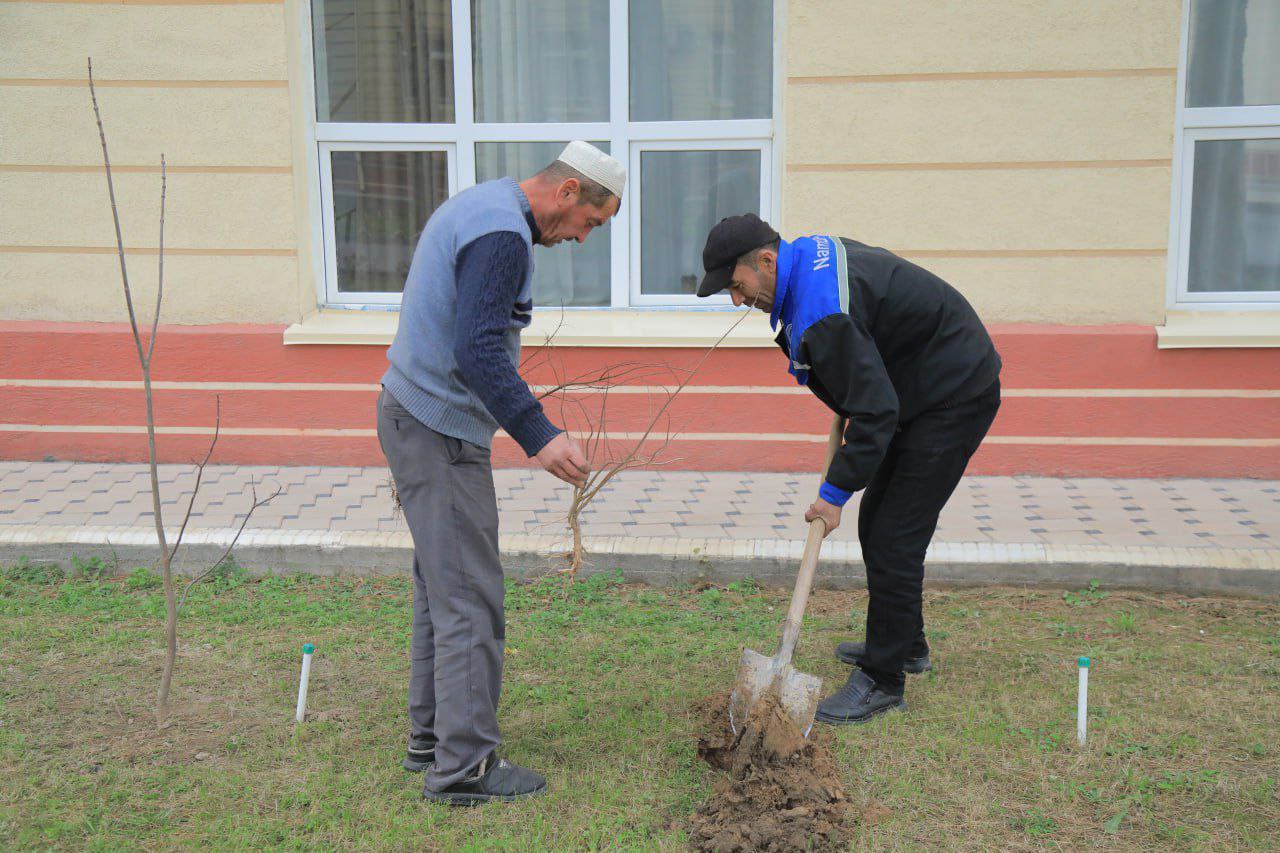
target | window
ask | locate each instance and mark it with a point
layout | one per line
(417, 99)
(378, 201)
(682, 192)
(1226, 212)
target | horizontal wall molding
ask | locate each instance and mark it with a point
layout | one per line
(1179, 393)
(1032, 253)
(1130, 441)
(149, 2)
(952, 76)
(136, 385)
(654, 436)
(147, 250)
(729, 390)
(132, 429)
(995, 165)
(69, 169)
(143, 84)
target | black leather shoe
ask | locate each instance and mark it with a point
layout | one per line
(417, 759)
(496, 780)
(858, 701)
(851, 653)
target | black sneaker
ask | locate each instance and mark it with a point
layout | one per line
(496, 780)
(851, 653)
(860, 700)
(417, 759)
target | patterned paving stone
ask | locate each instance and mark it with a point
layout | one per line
(688, 504)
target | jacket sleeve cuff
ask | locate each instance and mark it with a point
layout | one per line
(533, 432)
(834, 495)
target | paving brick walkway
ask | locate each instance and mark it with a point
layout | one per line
(1197, 514)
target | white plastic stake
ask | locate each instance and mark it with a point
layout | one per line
(306, 676)
(1082, 703)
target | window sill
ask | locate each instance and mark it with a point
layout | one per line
(1205, 329)
(581, 328)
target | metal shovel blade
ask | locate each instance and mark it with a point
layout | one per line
(798, 692)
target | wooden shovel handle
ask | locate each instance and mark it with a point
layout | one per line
(808, 563)
(834, 440)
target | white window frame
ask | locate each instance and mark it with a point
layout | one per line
(326, 149)
(641, 300)
(1197, 124)
(626, 138)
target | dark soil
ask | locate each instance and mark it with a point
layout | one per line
(782, 791)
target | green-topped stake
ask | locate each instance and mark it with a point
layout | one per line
(302, 684)
(1082, 701)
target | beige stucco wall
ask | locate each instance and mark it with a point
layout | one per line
(207, 86)
(1020, 148)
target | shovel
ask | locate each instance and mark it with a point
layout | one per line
(798, 692)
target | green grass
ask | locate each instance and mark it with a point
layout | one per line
(601, 678)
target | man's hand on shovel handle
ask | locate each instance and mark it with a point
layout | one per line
(829, 513)
(563, 458)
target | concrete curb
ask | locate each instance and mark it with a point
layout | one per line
(661, 561)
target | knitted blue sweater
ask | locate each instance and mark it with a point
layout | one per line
(468, 294)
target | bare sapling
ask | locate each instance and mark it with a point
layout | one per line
(585, 399)
(146, 353)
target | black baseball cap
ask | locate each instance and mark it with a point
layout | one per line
(732, 238)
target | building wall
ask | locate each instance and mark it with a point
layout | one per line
(1020, 148)
(1078, 401)
(204, 84)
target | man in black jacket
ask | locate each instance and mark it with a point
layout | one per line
(903, 356)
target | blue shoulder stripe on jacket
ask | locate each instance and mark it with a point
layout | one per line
(818, 287)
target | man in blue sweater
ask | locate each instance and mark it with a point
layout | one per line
(452, 382)
(902, 355)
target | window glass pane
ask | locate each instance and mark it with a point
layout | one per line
(541, 60)
(1235, 216)
(567, 274)
(712, 59)
(682, 195)
(383, 60)
(381, 201)
(1233, 53)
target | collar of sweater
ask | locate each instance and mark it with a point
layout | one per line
(535, 232)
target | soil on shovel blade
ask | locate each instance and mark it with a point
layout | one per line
(782, 792)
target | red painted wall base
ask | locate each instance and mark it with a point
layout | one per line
(1079, 401)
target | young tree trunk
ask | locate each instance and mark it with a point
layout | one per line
(577, 556)
(173, 605)
(144, 360)
(166, 563)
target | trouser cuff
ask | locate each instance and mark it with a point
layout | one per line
(893, 684)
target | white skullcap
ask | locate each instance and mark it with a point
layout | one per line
(596, 165)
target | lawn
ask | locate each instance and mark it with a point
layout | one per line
(601, 680)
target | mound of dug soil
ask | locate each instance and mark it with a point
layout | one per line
(782, 792)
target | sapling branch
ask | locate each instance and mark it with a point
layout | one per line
(604, 463)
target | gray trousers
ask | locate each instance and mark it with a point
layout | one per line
(446, 490)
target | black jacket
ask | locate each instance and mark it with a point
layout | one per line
(910, 342)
